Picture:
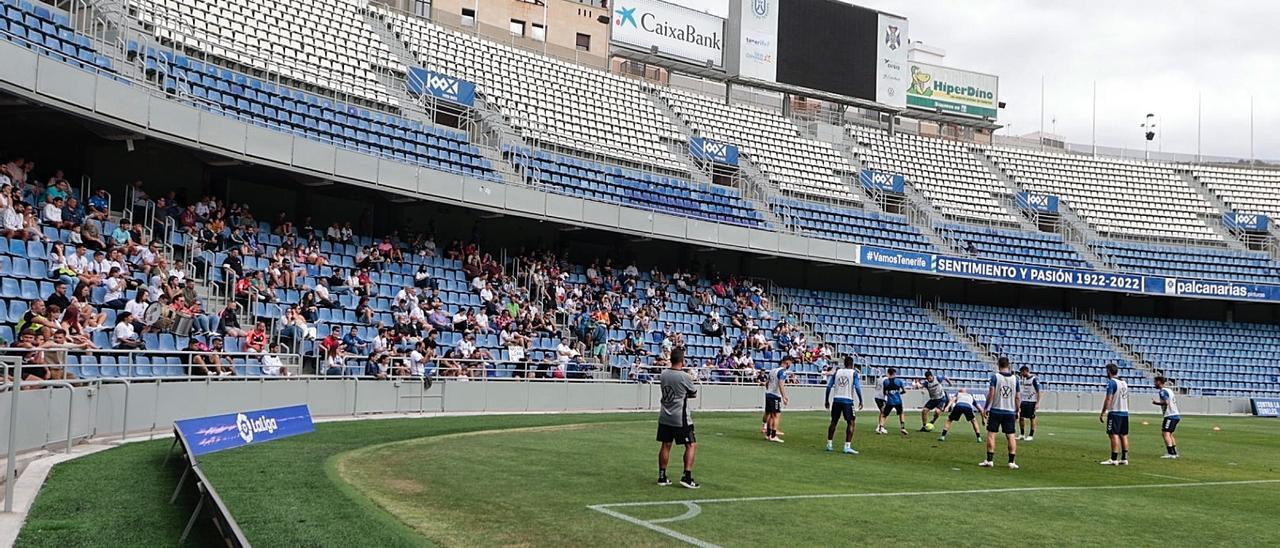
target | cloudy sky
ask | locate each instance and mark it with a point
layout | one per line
(1145, 55)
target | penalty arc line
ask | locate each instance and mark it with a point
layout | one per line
(691, 504)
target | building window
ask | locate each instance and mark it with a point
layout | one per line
(468, 17)
(584, 42)
(422, 8)
(517, 27)
(539, 32)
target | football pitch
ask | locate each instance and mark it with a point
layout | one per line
(589, 480)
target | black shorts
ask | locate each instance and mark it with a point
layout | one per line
(879, 403)
(1006, 422)
(890, 408)
(1028, 410)
(681, 435)
(939, 404)
(958, 412)
(842, 409)
(772, 405)
(1170, 424)
(1117, 425)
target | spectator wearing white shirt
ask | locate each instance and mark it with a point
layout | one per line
(323, 297)
(52, 215)
(138, 307)
(565, 352)
(487, 294)
(271, 364)
(410, 296)
(467, 346)
(123, 336)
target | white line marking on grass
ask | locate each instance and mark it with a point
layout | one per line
(658, 528)
(692, 512)
(1167, 477)
(694, 509)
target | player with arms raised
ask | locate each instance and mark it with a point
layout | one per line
(1169, 404)
(675, 421)
(962, 405)
(1115, 414)
(842, 386)
(1002, 412)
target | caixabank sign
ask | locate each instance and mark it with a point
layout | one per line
(677, 32)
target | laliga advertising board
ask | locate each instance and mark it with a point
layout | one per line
(678, 32)
(206, 435)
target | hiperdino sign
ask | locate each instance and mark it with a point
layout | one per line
(953, 91)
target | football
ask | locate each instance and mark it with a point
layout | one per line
(928, 427)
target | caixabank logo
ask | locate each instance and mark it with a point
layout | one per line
(652, 23)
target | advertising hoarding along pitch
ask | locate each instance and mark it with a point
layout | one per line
(206, 435)
(678, 32)
(953, 91)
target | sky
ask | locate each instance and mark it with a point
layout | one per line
(1171, 58)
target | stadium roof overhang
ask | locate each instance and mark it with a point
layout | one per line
(979, 123)
(817, 94)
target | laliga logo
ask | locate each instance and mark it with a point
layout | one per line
(443, 83)
(247, 427)
(1171, 286)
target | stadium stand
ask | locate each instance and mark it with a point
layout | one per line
(1016, 246)
(885, 332)
(549, 102)
(1191, 261)
(50, 32)
(1243, 189)
(326, 43)
(1209, 357)
(1120, 198)
(835, 222)
(1056, 346)
(345, 124)
(944, 171)
(596, 181)
(796, 164)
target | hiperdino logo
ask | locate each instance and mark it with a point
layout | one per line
(921, 85)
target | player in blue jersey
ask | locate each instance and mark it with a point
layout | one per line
(893, 388)
(1168, 403)
(937, 398)
(1030, 403)
(775, 396)
(962, 405)
(1002, 412)
(842, 386)
(1115, 414)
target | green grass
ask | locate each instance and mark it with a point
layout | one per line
(528, 480)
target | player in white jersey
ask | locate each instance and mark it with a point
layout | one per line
(1030, 403)
(842, 386)
(1002, 412)
(1168, 402)
(962, 404)
(937, 399)
(1115, 414)
(775, 396)
(878, 393)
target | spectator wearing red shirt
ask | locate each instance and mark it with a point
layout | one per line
(256, 340)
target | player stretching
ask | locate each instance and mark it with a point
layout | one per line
(937, 399)
(1030, 403)
(1115, 414)
(775, 396)
(962, 405)
(893, 389)
(1002, 412)
(675, 423)
(1167, 402)
(845, 383)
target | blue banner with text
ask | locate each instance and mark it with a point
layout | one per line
(1035, 201)
(220, 432)
(1266, 407)
(1247, 221)
(423, 81)
(879, 180)
(706, 149)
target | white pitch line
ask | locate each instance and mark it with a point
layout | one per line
(1166, 477)
(692, 512)
(658, 528)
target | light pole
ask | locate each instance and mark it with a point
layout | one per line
(1149, 127)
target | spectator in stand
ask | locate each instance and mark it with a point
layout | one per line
(346, 235)
(100, 203)
(91, 234)
(122, 236)
(364, 284)
(36, 321)
(271, 363)
(332, 343)
(364, 312)
(256, 340)
(217, 363)
(59, 296)
(73, 213)
(232, 265)
(376, 367)
(333, 233)
(229, 321)
(52, 214)
(124, 337)
(323, 297)
(353, 344)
